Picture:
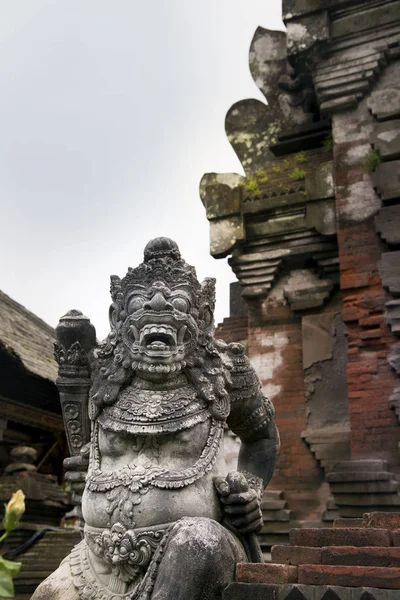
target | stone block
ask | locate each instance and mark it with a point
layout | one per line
(384, 104)
(386, 180)
(367, 500)
(296, 555)
(389, 270)
(396, 537)
(351, 576)
(386, 139)
(364, 487)
(248, 591)
(341, 523)
(362, 556)
(342, 476)
(265, 573)
(383, 520)
(339, 537)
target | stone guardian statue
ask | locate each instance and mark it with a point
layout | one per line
(145, 413)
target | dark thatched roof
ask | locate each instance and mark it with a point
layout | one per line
(27, 336)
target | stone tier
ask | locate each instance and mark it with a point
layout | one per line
(344, 563)
(278, 522)
(360, 485)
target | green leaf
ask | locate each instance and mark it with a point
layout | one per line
(12, 566)
(6, 582)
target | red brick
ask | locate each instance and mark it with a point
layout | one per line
(296, 555)
(367, 556)
(265, 573)
(339, 537)
(345, 523)
(383, 520)
(377, 577)
(396, 537)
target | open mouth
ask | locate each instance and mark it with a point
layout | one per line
(161, 340)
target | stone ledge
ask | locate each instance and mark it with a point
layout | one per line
(351, 536)
(259, 591)
(351, 576)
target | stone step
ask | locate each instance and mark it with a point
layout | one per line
(367, 500)
(267, 504)
(344, 476)
(340, 523)
(365, 487)
(362, 465)
(337, 555)
(375, 577)
(296, 591)
(358, 511)
(277, 515)
(267, 540)
(265, 573)
(340, 537)
(383, 520)
(273, 494)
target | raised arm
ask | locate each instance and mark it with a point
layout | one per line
(252, 419)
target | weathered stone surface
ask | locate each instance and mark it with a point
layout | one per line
(396, 537)
(255, 591)
(386, 179)
(379, 577)
(384, 104)
(365, 487)
(368, 500)
(296, 555)
(387, 223)
(364, 556)
(265, 573)
(247, 591)
(220, 194)
(156, 486)
(339, 537)
(340, 523)
(224, 233)
(384, 520)
(386, 139)
(389, 270)
(342, 476)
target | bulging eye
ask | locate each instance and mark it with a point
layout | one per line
(180, 304)
(136, 304)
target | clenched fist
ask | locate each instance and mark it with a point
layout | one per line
(242, 510)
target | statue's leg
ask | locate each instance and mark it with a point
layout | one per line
(58, 586)
(199, 561)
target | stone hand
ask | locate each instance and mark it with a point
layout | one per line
(76, 468)
(242, 510)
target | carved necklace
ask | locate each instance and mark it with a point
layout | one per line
(139, 479)
(151, 411)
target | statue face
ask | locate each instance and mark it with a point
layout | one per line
(160, 328)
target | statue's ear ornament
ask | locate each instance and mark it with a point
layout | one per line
(208, 293)
(116, 288)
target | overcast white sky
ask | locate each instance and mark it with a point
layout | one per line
(110, 113)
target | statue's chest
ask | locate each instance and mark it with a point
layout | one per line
(118, 450)
(153, 412)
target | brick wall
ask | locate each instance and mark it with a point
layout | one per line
(374, 428)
